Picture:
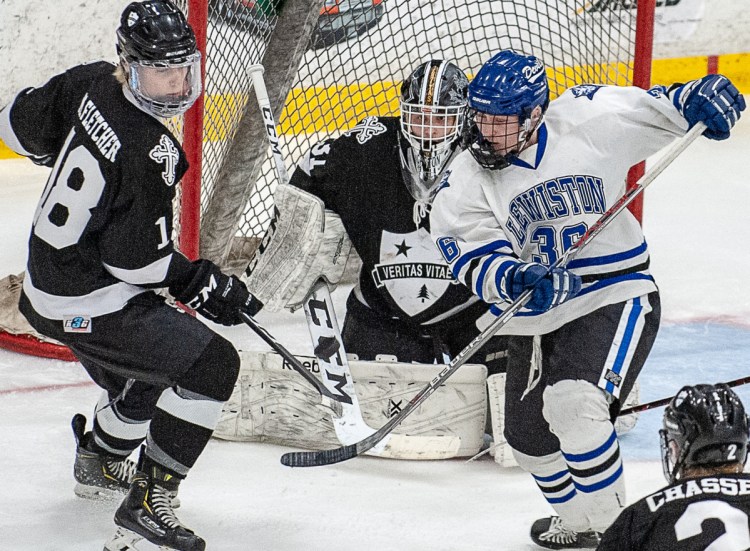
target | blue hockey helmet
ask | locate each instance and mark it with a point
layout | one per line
(509, 84)
(704, 426)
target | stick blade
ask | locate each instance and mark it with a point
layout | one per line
(319, 458)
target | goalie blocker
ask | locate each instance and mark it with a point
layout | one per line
(272, 403)
(304, 243)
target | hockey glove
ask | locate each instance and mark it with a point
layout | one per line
(713, 100)
(550, 288)
(217, 296)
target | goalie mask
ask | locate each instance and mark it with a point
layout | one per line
(433, 111)
(507, 100)
(157, 49)
(704, 426)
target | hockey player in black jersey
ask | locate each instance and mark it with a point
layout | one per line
(379, 177)
(706, 504)
(101, 241)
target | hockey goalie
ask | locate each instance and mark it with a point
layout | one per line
(370, 190)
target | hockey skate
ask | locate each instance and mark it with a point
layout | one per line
(551, 533)
(98, 475)
(147, 513)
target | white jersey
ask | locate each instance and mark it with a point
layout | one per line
(484, 220)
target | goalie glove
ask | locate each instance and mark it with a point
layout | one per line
(551, 288)
(217, 296)
(713, 100)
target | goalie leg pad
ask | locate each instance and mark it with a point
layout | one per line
(273, 403)
(496, 398)
(303, 244)
(578, 414)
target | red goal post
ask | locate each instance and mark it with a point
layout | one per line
(330, 63)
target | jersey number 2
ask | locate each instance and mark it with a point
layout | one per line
(736, 536)
(73, 189)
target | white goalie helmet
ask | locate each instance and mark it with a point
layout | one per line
(433, 115)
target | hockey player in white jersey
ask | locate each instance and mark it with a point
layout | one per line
(535, 177)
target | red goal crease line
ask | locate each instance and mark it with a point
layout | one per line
(45, 388)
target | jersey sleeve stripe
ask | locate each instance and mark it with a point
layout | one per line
(486, 264)
(156, 272)
(97, 303)
(608, 259)
(495, 246)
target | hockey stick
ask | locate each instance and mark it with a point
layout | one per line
(664, 401)
(337, 382)
(327, 457)
(288, 356)
(347, 421)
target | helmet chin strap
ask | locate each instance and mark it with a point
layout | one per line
(527, 133)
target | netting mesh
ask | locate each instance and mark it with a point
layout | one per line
(362, 50)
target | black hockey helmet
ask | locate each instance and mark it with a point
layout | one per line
(704, 426)
(155, 35)
(433, 115)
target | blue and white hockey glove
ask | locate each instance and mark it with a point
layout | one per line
(713, 100)
(550, 288)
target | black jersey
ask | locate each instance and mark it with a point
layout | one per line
(359, 177)
(102, 231)
(697, 514)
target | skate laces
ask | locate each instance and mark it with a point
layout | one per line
(121, 469)
(161, 502)
(558, 532)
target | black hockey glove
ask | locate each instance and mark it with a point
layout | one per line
(217, 296)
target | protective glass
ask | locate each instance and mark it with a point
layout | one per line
(431, 131)
(166, 88)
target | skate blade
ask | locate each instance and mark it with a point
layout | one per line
(97, 493)
(127, 540)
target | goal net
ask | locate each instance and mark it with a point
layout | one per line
(330, 63)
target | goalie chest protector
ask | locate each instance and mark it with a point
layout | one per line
(359, 177)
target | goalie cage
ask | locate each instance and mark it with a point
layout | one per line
(328, 64)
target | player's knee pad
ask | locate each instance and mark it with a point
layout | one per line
(577, 413)
(214, 372)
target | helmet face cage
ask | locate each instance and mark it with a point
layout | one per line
(150, 83)
(704, 426)
(433, 115)
(507, 86)
(487, 131)
(157, 49)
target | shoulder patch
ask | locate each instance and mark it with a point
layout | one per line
(443, 183)
(367, 129)
(165, 152)
(657, 91)
(585, 90)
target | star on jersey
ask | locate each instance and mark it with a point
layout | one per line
(585, 90)
(166, 153)
(367, 129)
(402, 248)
